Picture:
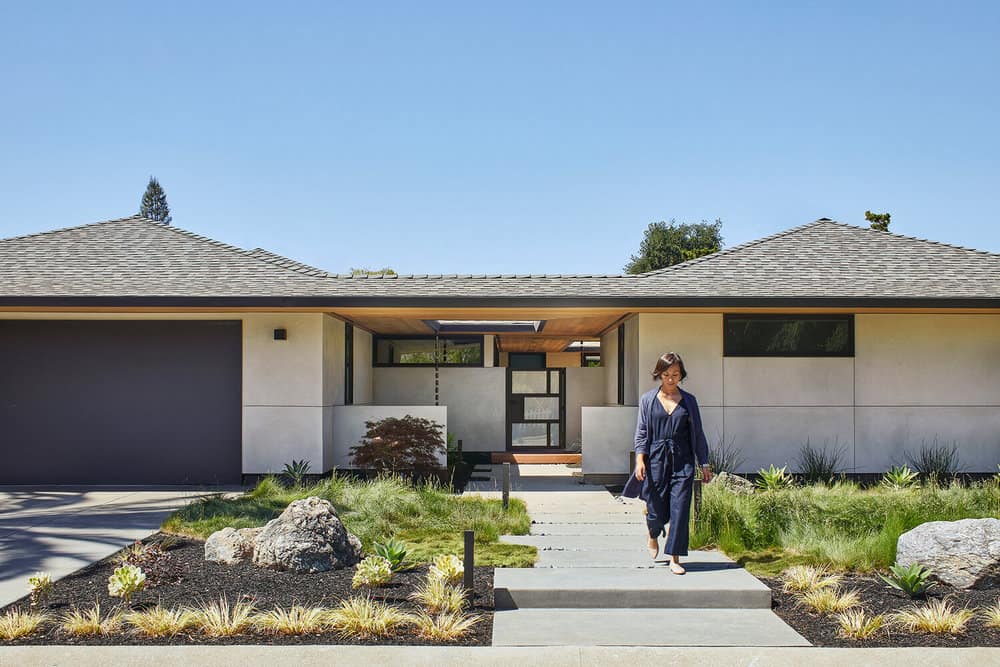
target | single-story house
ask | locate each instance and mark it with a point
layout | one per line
(134, 352)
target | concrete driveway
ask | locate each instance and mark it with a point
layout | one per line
(62, 529)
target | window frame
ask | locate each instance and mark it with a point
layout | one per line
(844, 317)
(377, 337)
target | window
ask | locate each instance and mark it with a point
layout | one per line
(421, 351)
(590, 359)
(788, 336)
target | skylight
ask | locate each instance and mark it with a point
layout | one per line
(485, 326)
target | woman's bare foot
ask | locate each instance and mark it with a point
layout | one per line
(654, 548)
(676, 567)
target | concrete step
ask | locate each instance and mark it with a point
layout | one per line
(609, 558)
(634, 529)
(604, 517)
(709, 585)
(642, 627)
(591, 543)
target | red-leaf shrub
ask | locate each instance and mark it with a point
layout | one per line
(410, 444)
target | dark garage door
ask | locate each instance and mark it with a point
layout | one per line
(120, 402)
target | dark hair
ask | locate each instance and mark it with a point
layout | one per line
(665, 362)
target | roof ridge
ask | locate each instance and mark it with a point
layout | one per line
(280, 260)
(735, 248)
(915, 238)
(72, 227)
(484, 276)
(226, 246)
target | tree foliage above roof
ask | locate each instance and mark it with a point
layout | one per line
(154, 203)
(665, 244)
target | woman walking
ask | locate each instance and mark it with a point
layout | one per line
(669, 443)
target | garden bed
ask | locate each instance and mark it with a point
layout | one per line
(879, 598)
(189, 581)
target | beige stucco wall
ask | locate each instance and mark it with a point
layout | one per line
(608, 434)
(632, 362)
(584, 387)
(914, 379)
(474, 397)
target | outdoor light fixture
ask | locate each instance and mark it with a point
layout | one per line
(280, 334)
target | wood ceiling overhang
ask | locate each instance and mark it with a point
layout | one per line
(562, 325)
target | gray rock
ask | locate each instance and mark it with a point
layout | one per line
(741, 486)
(307, 537)
(963, 554)
(231, 546)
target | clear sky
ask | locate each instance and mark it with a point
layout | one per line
(509, 137)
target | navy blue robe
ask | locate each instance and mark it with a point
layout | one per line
(674, 444)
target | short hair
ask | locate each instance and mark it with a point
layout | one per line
(666, 361)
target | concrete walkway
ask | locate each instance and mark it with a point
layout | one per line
(595, 584)
(59, 530)
(440, 656)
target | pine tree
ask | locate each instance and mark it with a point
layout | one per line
(154, 203)
(879, 221)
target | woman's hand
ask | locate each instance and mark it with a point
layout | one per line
(706, 474)
(640, 467)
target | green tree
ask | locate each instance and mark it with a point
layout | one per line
(665, 244)
(879, 221)
(154, 203)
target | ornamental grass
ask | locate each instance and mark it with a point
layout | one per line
(936, 617)
(15, 624)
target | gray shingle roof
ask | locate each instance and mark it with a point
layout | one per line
(823, 261)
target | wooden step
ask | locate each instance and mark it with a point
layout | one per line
(532, 457)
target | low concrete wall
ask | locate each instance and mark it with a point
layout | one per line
(608, 436)
(349, 425)
(584, 387)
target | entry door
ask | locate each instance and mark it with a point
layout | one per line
(536, 408)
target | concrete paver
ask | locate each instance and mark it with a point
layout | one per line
(646, 627)
(61, 530)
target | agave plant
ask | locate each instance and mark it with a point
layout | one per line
(912, 580)
(296, 471)
(899, 477)
(773, 478)
(393, 551)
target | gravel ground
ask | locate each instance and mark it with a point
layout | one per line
(189, 580)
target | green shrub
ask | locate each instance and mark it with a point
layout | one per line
(913, 580)
(773, 478)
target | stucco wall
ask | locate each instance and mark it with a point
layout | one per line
(349, 425)
(608, 434)
(584, 387)
(609, 361)
(474, 397)
(915, 379)
(632, 370)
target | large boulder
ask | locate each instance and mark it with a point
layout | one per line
(307, 537)
(963, 554)
(741, 486)
(231, 546)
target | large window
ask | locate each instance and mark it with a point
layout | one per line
(788, 336)
(422, 351)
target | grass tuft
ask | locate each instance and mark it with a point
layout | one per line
(437, 595)
(857, 624)
(361, 617)
(16, 623)
(804, 578)
(90, 623)
(219, 619)
(297, 620)
(161, 621)
(829, 600)
(936, 617)
(991, 616)
(446, 626)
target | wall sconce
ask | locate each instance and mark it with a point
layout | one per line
(280, 334)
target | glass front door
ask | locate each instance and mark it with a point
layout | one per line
(536, 408)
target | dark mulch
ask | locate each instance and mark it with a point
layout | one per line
(191, 580)
(879, 598)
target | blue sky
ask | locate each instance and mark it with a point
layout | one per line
(504, 137)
